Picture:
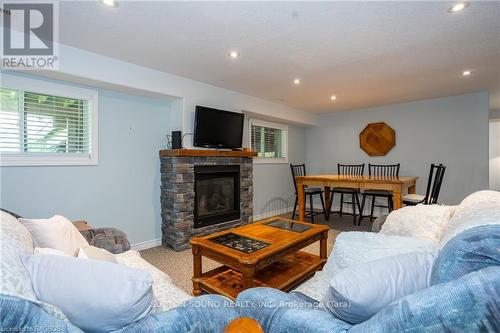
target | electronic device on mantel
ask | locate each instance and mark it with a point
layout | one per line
(176, 139)
(220, 129)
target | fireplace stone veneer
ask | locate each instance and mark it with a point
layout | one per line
(178, 196)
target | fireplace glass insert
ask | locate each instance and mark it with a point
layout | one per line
(217, 194)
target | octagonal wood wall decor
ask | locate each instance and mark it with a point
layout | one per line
(377, 139)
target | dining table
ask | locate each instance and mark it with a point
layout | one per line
(397, 185)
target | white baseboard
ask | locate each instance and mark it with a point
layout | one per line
(146, 245)
(265, 215)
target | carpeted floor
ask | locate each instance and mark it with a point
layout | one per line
(179, 265)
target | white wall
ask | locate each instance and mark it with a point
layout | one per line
(452, 130)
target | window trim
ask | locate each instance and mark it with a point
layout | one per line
(284, 141)
(57, 89)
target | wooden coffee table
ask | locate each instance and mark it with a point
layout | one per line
(261, 254)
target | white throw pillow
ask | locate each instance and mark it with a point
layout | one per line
(132, 258)
(481, 197)
(360, 291)
(470, 216)
(95, 253)
(47, 250)
(168, 296)
(11, 228)
(57, 233)
(421, 221)
(96, 296)
(15, 241)
(355, 247)
(316, 287)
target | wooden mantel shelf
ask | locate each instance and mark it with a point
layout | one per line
(205, 152)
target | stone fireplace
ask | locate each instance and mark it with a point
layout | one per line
(203, 194)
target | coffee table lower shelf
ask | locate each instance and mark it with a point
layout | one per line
(283, 274)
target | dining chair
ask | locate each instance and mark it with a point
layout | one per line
(353, 170)
(300, 170)
(434, 182)
(384, 171)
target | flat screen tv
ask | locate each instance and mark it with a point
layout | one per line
(217, 128)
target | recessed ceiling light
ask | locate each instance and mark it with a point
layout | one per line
(110, 3)
(458, 7)
(466, 73)
(296, 81)
(234, 54)
(333, 97)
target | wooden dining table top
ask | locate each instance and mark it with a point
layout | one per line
(354, 179)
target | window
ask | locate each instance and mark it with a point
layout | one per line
(44, 123)
(269, 140)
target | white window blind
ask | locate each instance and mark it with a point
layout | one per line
(268, 140)
(47, 123)
(10, 120)
(38, 123)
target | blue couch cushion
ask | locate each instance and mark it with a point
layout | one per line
(204, 314)
(467, 252)
(279, 312)
(468, 304)
(20, 315)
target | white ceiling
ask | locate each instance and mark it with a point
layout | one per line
(366, 53)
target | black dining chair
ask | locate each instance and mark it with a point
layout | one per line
(347, 170)
(436, 175)
(300, 170)
(384, 171)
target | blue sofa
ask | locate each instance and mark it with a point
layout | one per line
(464, 298)
(464, 295)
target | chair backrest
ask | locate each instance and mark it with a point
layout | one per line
(297, 171)
(436, 175)
(383, 170)
(351, 169)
